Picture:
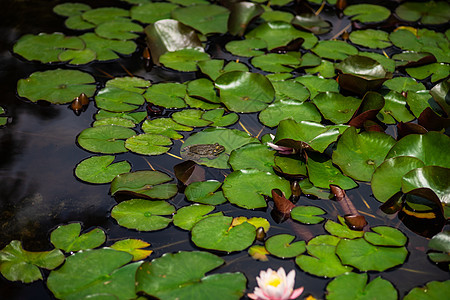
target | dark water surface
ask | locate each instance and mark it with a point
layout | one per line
(38, 189)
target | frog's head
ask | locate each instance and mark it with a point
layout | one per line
(218, 149)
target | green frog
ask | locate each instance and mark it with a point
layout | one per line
(210, 151)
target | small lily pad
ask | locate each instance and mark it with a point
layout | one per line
(281, 246)
(219, 119)
(69, 238)
(274, 62)
(249, 47)
(312, 22)
(135, 117)
(385, 236)
(241, 15)
(317, 84)
(307, 214)
(437, 71)
(290, 90)
(190, 117)
(186, 217)
(121, 29)
(394, 109)
(108, 139)
(118, 100)
(440, 243)
(78, 57)
(152, 11)
(152, 184)
(341, 230)
(366, 13)
(205, 192)
(100, 169)
(143, 215)
(134, 247)
(70, 9)
(105, 14)
(107, 49)
(216, 67)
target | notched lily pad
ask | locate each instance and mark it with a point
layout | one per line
(100, 169)
(187, 216)
(307, 214)
(205, 192)
(366, 13)
(281, 246)
(134, 247)
(148, 144)
(108, 139)
(69, 238)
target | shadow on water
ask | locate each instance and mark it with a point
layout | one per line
(38, 190)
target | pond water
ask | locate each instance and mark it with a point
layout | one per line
(38, 153)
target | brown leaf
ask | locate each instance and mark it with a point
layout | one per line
(282, 204)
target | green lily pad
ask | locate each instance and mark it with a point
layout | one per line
(206, 18)
(107, 49)
(385, 236)
(334, 49)
(367, 257)
(152, 12)
(433, 177)
(312, 22)
(194, 102)
(169, 35)
(292, 167)
(274, 62)
(148, 144)
(355, 286)
(190, 117)
(387, 63)
(439, 93)
(161, 278)
(166, 127)
(290, 90)
(203, 88)
(245, 91)
(213, 68)
(241, 15)
(118, 100)
(184, 60)
(108, 139)
(76, 22)
(432, 12)
(277, 15)
(70, 9)
(341, 230)
(186, 217)
(105, 14)
(281, 246)
(309, 189)
(317, 84)
(322, 173)
(229, 138)
(219, 119)
(169, 95)
(247, 188)
(216, 233)
(335, 107)
(17, 264)
(371, 38)
(77, 57)
(280, 110)
(441, 244)
(151, 184)
(121, 29)
(69, 238)
(322, 259)
(91, 273)
(56, 86)
(432, 290)
(133, 247)
(249, 47)
(255, 156)
(423, 147)
(205, 192)
(315, 135)
(100, 169)
(394, 109)
(437, 71)
(358, 155)
(325, 69)
(404, 84)
(46, 47)
(366, 13)
(279, 33)
(135, 117)
(387, 178)
(307, 214)
(143, 215)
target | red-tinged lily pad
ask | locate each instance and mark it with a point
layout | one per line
(161, 278)
(242, 13)
(245, 91)
(433, 177)
(387, 178)
(187, 216)
(247, 188)
(358, 155)
(151, 184)
(217, 233)
(56, 86)
(18, 264)
(355, 286)
(439, 93)
(371, 104)
(69, 238)
(108, 139)
(143, 215)
(170, 35)
(281, 246)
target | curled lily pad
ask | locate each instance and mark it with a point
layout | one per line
(100, 169)
(359, 154)
(134, 247)
(339, 288)
(434, 177)
(184, 59)
(432, 12)
(108, 139)
(143, 215)
(56, 86)
(206, 18)
(148, 144)
(17, 264)
(247, 188)
(387, 63)
(242, 13)
(169, 94)
(218, 234)
(186, 217)
(165, 126)
(245, 91)
(367, 12)
(151, 184)
(69, 238)
(161, 277)
(151, 12)
(105, 272)
(307, 214)
(118, 100)
(205, 192)
(280, 110)
(281, 246)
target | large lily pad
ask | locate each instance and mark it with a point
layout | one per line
(247, 188)
(69, 238)
(95, 272)
(108, 139)
(56, 86)
(359, 154)
(17, 264)
(152, 184)
(143, 215)
(434, 177)
(182, 276)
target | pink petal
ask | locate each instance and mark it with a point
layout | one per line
(296, 293)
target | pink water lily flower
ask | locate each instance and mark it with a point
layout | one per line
(275, 286)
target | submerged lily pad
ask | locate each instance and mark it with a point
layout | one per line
(108, 139)
(17, 264)
(143, 215)
(56, 86)
(161, 278)
(218, 234)
(281, 246)
(69, 238)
